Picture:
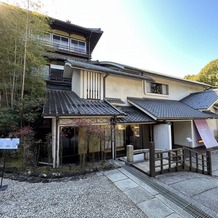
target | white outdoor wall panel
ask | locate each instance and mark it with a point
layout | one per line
(182, 131)
(212, 123)
(120, 87)
(76, 82)
(162, 136)
(177, 90)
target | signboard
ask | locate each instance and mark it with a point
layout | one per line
(9, 143)
(205, 133)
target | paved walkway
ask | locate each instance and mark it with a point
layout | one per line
(200, 191)
(145, 197)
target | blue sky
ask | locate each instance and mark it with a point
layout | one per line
(175, 37)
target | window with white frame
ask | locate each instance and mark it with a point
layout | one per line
(93, 85)
(78, 46)
(64, 43)
(60, 42)
(157, 88)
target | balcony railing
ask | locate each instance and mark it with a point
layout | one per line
(69, 48)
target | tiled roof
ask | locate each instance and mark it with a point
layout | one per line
(94, 34)
(153, 73)
(115, 100)
(201, 100)
(133, 115)
(160, 109)
(95, 67)
(67, 103)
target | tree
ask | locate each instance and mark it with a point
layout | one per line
(191, 77)
(208, 74)
(22, 86)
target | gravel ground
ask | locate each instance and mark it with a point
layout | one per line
(94, 196)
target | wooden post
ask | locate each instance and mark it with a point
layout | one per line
(203, 164)
(152, 158)
(169, 161)
(190, 160)
(197, 166)
(209, 162)
(183, 158)
(113, 143)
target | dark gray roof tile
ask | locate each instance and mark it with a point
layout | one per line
(167, 109)
(115, 100)
(133, 115)
(67, 103)
(95, 67)
(201, 100)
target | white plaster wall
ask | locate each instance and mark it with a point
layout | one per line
(212, 123)
(177, 90)
(162, 137)
(187, 129)
(121, 87)
(76, 83)
(182, 131)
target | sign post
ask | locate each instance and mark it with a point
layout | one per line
(7, 144)
(3, 168)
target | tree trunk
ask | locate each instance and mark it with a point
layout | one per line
(25, 52)
(14, 74)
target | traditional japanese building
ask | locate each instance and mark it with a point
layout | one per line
(125, 104)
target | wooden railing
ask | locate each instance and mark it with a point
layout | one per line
(173, 160)
(180, 159)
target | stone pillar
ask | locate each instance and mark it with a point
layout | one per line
(129, 153)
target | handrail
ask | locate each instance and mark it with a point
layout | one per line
(173, 160)
(182, 158)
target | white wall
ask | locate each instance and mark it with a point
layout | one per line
(212, 123)
(177, 90)
(76, 82)
(187, 129)
(121, 87)
(162, 136)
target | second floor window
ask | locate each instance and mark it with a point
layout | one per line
(157, 88)
(78, 46)
(64, 43)
(60, 42)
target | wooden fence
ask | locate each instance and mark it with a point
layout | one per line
(178, 159)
